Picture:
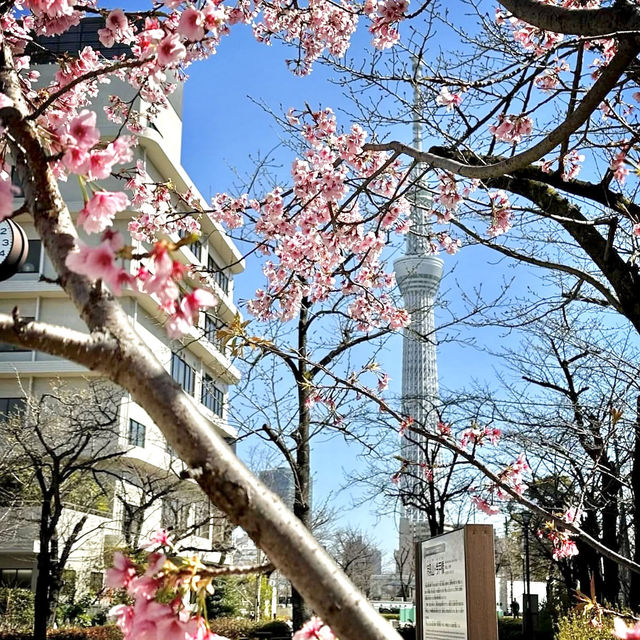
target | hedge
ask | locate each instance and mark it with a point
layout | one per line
(16, 609)
(108, 632)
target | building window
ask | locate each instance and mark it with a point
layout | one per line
(69, 584)
(219, 276)
(16, 578)
(203, 521)
(137, 432)
(96, 581)
(196, 248)
(211, 327)
(182, 373)
(132, 516)
(212, 397)
(12, 406)
(32, 263)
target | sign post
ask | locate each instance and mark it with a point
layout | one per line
(455, 585)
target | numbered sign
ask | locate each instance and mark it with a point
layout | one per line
(14, 247)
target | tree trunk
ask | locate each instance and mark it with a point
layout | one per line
(634, 591)
(301, 503)
(610, 535)
(43, 580)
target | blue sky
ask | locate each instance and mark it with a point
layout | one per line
(224, 131)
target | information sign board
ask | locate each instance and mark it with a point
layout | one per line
(456, 585)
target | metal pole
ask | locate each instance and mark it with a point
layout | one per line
(528, 620)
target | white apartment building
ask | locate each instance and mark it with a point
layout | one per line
(198, 361)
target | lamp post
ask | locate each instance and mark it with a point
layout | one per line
(527, 614)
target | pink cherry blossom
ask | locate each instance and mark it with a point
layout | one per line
(99, 211)
(82, 130)
(191, 24)
(619, 166)
(447, 99)
(314, 629)
(572, 163)
(484, 506)
(7, 191)
(624, 632)
(501, 213)
(512, 128)
(186, 312)
(122, 573)
(159, 538)
(171, 51)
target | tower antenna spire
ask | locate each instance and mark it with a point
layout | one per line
(418, 237)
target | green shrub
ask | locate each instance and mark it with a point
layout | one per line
(510, 628)
(226, 600)
(16, 609)
(277, 628)
(108, 632)
(390, 616)
(575, 626)
(232, 628)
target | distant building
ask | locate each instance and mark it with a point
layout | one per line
(280, 481)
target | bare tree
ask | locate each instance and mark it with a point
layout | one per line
(57, 453)
(357, 555)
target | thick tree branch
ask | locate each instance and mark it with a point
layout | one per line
(622, 277)
(623, 16)
(627, 52)
(89, 350)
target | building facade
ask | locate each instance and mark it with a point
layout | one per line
(199, 362)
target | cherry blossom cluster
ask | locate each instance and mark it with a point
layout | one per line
(624, 632)
(501, 213)
(571, 165)
(446, 243)
(476, 435)
(148, 615)
(450, 193)
(619, 164)
(447, 99)
(320, 240)
(385, 16)
(511, 128)
(511, 476)
(562, 539)
(532, 38)
(160, 45)
(549, 79)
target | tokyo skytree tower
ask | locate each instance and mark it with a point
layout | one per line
(418, 273)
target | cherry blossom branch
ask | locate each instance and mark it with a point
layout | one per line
(627, 51)
(89, 350)
(230, 570)
(470, 458)
(91, 75)
(130, 363)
